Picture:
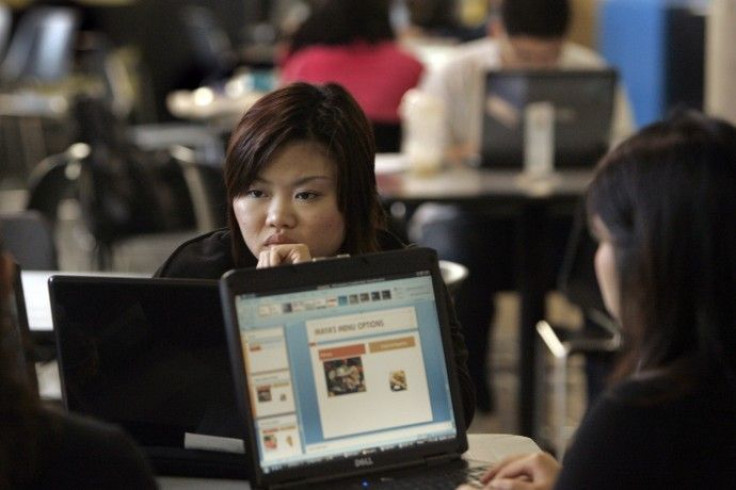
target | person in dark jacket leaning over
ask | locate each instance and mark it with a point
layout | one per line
(300, 181)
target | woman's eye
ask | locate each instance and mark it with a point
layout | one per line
(254, 193)
(307, 195)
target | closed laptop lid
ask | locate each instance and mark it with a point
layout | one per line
(582, 102)
(343, 366)
(151, 356)
(37, 304)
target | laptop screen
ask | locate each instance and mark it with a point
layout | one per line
(345, 369)
(582, 112)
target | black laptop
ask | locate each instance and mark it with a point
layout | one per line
(582, 101)
(150, 355)
(345, 374)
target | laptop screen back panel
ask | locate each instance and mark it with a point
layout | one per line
(149, 355)
(583, 111)
(344, 366)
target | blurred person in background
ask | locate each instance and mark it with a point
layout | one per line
(522, 34)
(454, 20)
(352, 43)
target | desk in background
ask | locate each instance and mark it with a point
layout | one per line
(531, 201)
(222, 107)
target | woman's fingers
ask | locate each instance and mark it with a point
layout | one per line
(534, 471)
(537, 471)
(290, 253)
(494, 470)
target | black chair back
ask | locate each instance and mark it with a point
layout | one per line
(29, 237)
(388, 137)
(42, 48)
(210, 46)
(6, 24)
(577, 280)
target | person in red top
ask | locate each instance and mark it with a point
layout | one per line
(352, 43)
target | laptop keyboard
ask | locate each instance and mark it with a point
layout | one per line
(434, 480)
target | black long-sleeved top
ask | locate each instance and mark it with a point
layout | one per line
(643, 434)
(77, 452)
(209, 256)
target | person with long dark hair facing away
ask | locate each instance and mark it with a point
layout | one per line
(663, 208)
(352, 42)
(44, 448)
(300, 182)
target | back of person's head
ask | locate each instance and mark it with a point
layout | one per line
(542, 19)
(18, 404)
(666, 198)
(324, 114)
(342, 22)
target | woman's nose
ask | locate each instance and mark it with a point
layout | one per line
(281, 214)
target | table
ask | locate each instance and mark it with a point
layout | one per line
(486, 448)
(531, 199)
(219, 106)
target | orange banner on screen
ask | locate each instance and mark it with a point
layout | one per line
(342, 352)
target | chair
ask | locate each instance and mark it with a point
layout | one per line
(40, 53)
(42, 47)
(205, 191)
(127, 195)
(578, 283)
(29, 236)
(206, 186)
(6, 24)
(211, 50)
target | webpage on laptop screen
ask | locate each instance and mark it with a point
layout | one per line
(344, 370)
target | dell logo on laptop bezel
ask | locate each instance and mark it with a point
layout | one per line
(363, 462)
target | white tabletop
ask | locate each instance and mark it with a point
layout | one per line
(488, 448)
(206, 104)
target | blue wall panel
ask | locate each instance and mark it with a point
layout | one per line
(632, 38)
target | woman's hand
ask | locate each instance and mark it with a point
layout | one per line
(288, 253)
(537, 471)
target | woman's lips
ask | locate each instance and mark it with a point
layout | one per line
(277, 240)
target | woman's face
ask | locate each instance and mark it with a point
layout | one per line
(605, 268)
(293, 200)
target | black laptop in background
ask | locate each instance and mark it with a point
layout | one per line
(583, 102)
(151, 356)
(345, 373)
(37, 307)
